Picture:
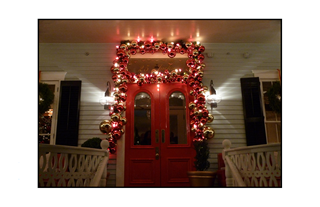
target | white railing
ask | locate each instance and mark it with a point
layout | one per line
(252, 166)
(67, 166)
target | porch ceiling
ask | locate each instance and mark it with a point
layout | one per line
(205, 31)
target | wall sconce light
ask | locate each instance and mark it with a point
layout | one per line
(108, 99)
(212, 98)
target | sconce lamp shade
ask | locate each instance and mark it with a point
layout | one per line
(108, 100)
(211, 97)
(214, 98)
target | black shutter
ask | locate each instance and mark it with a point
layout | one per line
(68, 115)
(253, 112)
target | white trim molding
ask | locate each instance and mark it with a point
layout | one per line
(57, 76)
(266, 74)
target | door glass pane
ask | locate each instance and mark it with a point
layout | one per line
(45, 123)
(273, 120)
(142, 119)
(270, 115)
(177, 114)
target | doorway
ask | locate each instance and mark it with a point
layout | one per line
(158, 149)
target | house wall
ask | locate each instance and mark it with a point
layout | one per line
(225, 65)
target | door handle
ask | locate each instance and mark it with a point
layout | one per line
(157, 136)
(162, 135)
(157, 153)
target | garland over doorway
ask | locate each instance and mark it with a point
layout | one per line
(199, 115)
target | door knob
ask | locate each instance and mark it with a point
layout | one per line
(162, 135)
(157, 153)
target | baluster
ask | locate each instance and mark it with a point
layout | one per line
(229, 179)
(72, 167)
(104, 145)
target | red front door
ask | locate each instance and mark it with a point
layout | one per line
(158, 147)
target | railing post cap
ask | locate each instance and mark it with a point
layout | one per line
(226, 144)
(104, 144)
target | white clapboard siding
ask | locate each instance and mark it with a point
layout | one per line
(225, 67)
(94, 72)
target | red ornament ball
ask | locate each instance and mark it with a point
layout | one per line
(147, 44)
(133, 51)
(142, 51)
(201, 58)
(172, 54)
(201, 48)
(121, 53)
(163, 46)
(112, 144)
(190, 63)
(116, 134)
(112, 150)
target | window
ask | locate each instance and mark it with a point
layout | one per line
(142, 119)
(47, 124)
(272, 119)
(48, 120)
(177, 117)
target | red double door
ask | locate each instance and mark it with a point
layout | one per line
(158, 148)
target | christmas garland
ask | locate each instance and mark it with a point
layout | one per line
(274, 95)
(199, 115)
(46, 98)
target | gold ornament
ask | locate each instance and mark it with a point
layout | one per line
(188, 44)
(192, 105)
(195, 52)
(195, 111)
(170, 45)
(201, 125)
(124, 80)
(134, 43)
(123, 46)
(154, 72)
(124, 120)
(156, 46)
(115, 69)
(205, 89)
(185, 77)
(115, 117)
(209, 133)
(105, 126)
(210, 118)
